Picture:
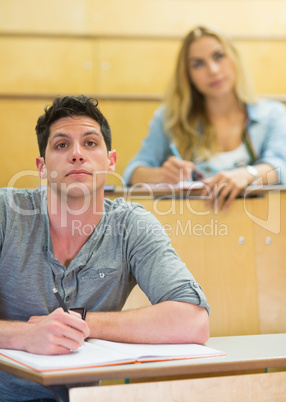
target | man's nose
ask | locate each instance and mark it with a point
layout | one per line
(77, 154)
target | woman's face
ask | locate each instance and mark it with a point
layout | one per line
(211, 69)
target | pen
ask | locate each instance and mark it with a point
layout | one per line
(60, 300)
(176, 153)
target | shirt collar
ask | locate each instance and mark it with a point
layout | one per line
(253, 112)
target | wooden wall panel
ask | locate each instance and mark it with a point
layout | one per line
(270, 236)
(266, 62)
(143, 17)
(46, 65)
(145, 66)
(136, 66)
(175, 17)
(243, 274)
(18, 143)
(39, 16)
(129, 124)
(118, 66)
(219, 250)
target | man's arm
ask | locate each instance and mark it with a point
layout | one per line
(56, 333)
(166, 322)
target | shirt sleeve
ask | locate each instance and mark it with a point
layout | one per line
(154, 149)
(269, 136)
(2, 218)
(157, 268)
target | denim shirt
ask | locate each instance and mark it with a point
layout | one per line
(266, 126)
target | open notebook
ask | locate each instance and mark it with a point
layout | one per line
(183, 185)
(96, 353)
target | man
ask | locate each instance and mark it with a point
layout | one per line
(91, 249)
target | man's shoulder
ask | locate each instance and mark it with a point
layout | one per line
(16, 198)
(121, 206)
(120, 210)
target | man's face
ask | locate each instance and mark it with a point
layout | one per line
(76, 159)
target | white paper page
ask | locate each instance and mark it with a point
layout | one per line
(97, 352)
(87, 355)
(189, 184)
(152, 351)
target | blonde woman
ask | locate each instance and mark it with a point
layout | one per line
(224, 135)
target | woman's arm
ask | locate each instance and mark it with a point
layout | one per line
(222, 189)
(154, 151)
(267, 131)
(172, 171)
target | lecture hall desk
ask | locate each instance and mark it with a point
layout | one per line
(247, 354)
(237, 255)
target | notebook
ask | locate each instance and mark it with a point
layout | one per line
(97, 353)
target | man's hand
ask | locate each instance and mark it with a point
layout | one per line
(56, 333)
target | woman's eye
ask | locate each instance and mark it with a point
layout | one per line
(197, 64)
(218, 56)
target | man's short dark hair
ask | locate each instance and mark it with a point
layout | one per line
(70, 106)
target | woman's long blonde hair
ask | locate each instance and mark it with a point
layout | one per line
(186, 121)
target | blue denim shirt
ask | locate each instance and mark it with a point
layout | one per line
(266, 126)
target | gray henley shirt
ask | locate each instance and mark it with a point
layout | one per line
(128, 246)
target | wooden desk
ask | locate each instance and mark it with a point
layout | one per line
(250, 352)
(236, 255)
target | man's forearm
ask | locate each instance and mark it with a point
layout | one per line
(166, 322)
(12, 334)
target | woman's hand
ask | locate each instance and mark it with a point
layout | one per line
(174, 170)
(225, 186)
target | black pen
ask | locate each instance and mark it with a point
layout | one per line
(60, 300)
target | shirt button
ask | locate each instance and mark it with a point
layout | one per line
(67, 298)
(101, 274)
(195, 285)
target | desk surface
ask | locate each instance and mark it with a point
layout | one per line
(247, 352)
(172, 191)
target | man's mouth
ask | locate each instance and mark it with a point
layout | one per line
(78, 172)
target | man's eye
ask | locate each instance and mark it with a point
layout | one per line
(90, 143)
(61, 145)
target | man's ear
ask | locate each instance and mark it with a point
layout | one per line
(40, 162)
(112, 156)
